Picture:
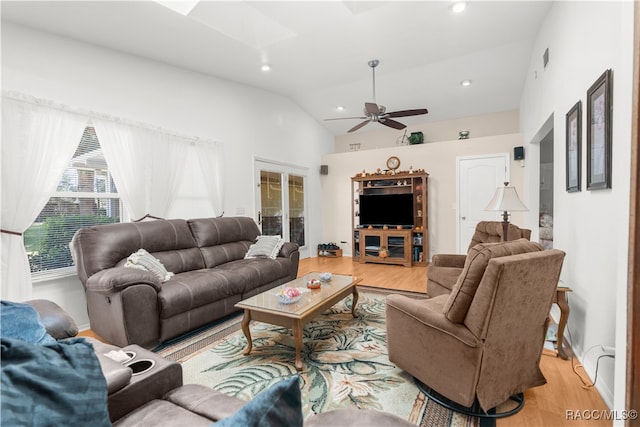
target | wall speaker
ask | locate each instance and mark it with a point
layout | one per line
(324, 169)
(518, 153)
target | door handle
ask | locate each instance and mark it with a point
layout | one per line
(463, 218)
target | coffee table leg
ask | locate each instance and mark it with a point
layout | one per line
(247, 333)
(297, 338)
(355, 301)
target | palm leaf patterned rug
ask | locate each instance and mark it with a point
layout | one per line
(345, 364)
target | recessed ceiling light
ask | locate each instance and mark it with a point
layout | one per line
(339, 108)
(465, 83)
(266, 67)
(458, 6)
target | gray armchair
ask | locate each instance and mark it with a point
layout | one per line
(444, 269)
(483, 342)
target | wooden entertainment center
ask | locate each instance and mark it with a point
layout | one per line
(405, 243)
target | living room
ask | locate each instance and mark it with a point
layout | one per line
(256, 124)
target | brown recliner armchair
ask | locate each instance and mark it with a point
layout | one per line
(481, 344)
(444, 269)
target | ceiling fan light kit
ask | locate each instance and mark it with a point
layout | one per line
(378, 113)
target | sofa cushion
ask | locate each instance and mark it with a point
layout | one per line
(52, 384)
(477, 259)
(227, 252)
(217, 231)
(191, 289)
(256, 272)
(279, 405)
(204, 401)
(265, 247)
(162, 413)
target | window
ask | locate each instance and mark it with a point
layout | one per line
(86, 196)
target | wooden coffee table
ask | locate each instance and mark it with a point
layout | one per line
(266, 307)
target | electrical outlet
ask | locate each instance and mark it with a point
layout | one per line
(608, 350)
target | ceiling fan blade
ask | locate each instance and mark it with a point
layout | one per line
(358, 126)
(344, 118)
(392, 123)
(405, 113)
(372, 108)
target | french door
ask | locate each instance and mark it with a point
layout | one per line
(281, 200)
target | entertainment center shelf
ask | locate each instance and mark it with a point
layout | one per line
(390, 218)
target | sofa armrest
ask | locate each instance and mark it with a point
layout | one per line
(115, 373)
(448, 260)
(117, 278)
(55, 320)
(290, 250)
(287, 249)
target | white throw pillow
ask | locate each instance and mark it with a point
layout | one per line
(265, 247)
(145, 261)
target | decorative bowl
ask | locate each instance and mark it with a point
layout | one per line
(313, 284)
(325, 277)
(286, 300)
(289, 295)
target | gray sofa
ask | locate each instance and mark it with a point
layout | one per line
(132, 306)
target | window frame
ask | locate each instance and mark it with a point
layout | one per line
(70, 271)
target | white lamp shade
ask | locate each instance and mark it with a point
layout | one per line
(506, 199)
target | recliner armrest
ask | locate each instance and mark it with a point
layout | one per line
(448, 260)
(117, 278)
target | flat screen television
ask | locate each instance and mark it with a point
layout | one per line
(386, 209)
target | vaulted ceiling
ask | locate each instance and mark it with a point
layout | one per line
(318, 51)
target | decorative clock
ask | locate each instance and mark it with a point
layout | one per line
(393, 163)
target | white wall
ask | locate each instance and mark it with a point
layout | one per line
(249, 122)
(584, 39)
(378, 136)
(438, 159)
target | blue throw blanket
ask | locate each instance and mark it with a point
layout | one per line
(22, 321)
(45, 382)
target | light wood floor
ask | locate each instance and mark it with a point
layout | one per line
(546, 405)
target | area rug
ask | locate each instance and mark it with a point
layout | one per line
(345, 364)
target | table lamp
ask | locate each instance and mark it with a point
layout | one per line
(505, 199)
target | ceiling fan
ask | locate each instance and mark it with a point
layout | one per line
(378, 113)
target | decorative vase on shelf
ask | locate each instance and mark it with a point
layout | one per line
(416, 138)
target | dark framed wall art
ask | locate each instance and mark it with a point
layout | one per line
(599, 133)
(574, 147)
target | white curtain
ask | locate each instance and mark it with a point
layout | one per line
(210, 155)
(37, 144)
(146, 165)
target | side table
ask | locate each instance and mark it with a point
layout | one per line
(560, 299)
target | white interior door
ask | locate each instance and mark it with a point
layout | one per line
(478, 178)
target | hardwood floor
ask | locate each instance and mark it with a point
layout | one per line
(547, 405)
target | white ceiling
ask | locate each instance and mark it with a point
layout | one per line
(318, 51)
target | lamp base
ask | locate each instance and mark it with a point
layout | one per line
(505, 226)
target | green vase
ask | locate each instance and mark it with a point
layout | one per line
(416, 138)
